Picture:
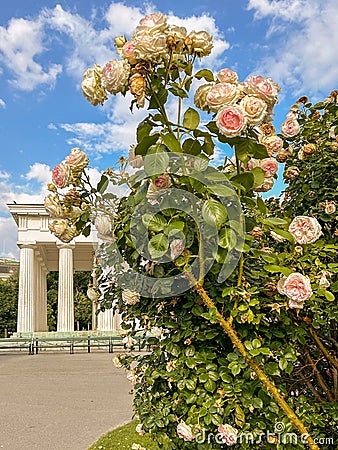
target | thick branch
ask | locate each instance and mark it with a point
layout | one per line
(322, 348)
(269, 385)
(320, 379)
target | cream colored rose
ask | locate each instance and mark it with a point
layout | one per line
(324, 282)
(184, 432)
(273, 144)
(130, 297)
(136, 161)
(176, 248)
(176, 37)
(153, 23)
(199, 42)
(92, 87)
(129, 342)
(103, 226)
(117, 361)
(305, 229)
(139, 429)
(266, 186)
(330, 207)
(200, 97)
(77, 160)
(53, 206)
(129, 52)
(131, 376)
(115, 76)
(150, 47)
(255, 109)
(222, 94)
(227, 76)
(63, 230)
(290, 128)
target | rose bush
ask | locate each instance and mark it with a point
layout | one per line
(228, 288)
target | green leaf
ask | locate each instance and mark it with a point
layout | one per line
(257, 403)
(143, 146)
(191, 119)
(244, 179)
(158, 245)
(154, 222)
(190, 384)
(278, 269)
(275, 221)
(143, 130)
(156, 163)
(214, 212)
(206, 74)
(158, 99)
(259, 176)
(208, 146)
(177, 91)
(261, 205)
(329, 296)
(283, 363)
(221, 190)
(210, 385)
(102, 184)
(256, 343)
(191, 146)
(171, 142)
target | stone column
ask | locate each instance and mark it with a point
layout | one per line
(27, 290)
(65, 320)
(41, 296)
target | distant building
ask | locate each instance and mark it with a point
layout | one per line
(8, 267)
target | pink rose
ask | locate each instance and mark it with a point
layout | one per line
(297, 288)
(305, 230)
(290, 128)
(269, 165)
(264, 88)
(227, 76)
(129, 51)
(184, 432)
(228, 434)
(61, 175)
(156, 22)
(162, 181)
(221, 94)
(231, 120)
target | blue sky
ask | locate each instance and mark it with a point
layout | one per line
(46, 45)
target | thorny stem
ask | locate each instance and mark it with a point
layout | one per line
(266, 382)
(322, 348)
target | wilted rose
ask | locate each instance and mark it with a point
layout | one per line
(162, 181)
(176, 37)
(170, 366)
(137, 86)
(324, 282)
(290, 128)
(305, 229)
(308, 149)
(231, 120)
(115, 76)
(282, 156)
(103, 226)
(273, 144)
(227, 76)
(330, 207)
(130, 297)
(117, 361)
(184, 432)
(92, 87)
(62, 175)
(131, 376)
(292, 172)
(228, 434)
(255, 109)
(139, 429)
(129, 342)
(277, 237)
(200, 97)
(267, 129)
(176, 248)
(63, 230)
(221, 94)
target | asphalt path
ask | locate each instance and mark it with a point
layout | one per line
(60, 401)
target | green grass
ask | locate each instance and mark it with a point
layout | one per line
(122, 439)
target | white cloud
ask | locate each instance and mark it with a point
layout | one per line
(4, 175)
(8, 238)
(20, 43)
(2, 103)
(304, 60)
(39, 172)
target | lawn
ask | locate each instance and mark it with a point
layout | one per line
(122, 439)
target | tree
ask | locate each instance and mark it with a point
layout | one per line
(9, 289)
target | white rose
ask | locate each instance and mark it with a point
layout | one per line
(255, 109)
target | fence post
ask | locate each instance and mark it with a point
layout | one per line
(88, 344)
(37, 346)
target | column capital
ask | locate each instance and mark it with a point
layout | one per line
(26, 244)
(65, 245)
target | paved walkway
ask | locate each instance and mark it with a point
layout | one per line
(60, 401)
